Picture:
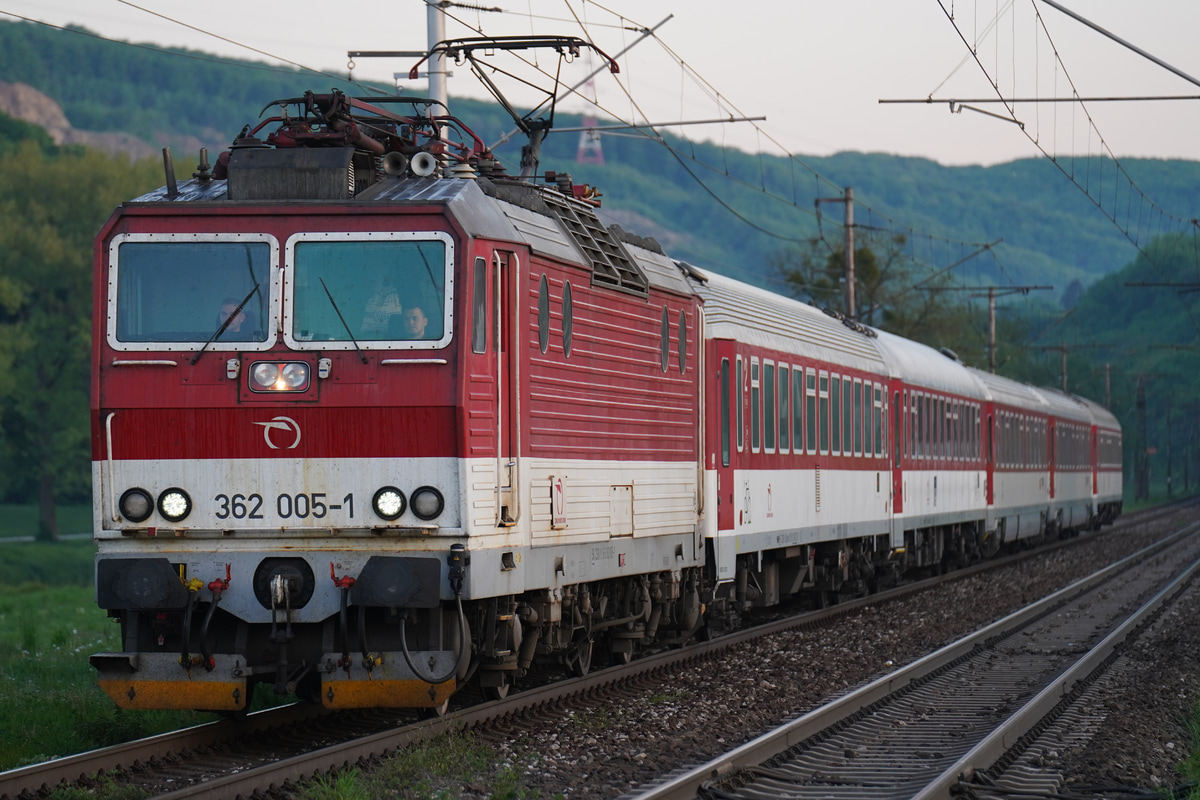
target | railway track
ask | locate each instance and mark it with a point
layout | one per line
(954, 722)
(282, 746)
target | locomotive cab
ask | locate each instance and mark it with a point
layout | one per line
(340, 447)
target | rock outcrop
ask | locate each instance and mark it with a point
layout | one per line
(25, 103)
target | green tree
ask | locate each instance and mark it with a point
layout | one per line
(52, 203)
(891, 291)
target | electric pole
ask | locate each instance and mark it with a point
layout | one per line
(1141, 457)
(847, 199)
(851, 311)
(436, 26)
(992, 293)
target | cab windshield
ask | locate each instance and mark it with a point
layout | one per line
(182, 290)
(353, 291)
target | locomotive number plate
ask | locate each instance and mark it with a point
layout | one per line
(288, 506)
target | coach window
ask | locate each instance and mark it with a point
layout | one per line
(768, 392)
(954, 430)
(923, 420)
(682, 341)
(835, 405)
(871, 435)
(929, 417)
(810, 411)
(943, 428)
(479, 306)
(1027, 441)
(969, 420)
(797, 406)
(944, 423)
(858, 419)
(785, 388)
(544, 314)
(665, 350)
(948, 427)
(739, 400)
(879, 420)
(823, 418)
(568, 318)
(755, 406)
(960, 427)
(920, 426)
(724, 403)
(847, 416)
(973, 432)
(951, 431)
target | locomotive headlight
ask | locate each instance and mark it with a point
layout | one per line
(295, 376)
(174, 504)
(274, 376)
(427, 502)
(265, 375)
(389, 503)
(136, 505)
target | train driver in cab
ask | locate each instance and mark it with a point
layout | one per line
(414, 323)
(242, 328)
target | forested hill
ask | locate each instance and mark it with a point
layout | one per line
(1052, 234)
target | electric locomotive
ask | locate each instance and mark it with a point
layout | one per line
(368, 423)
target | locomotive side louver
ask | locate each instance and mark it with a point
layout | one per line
(611, 265)
(301, 173)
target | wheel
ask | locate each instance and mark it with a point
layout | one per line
(620, 658)
(435, 712)
(497, 692)
(579, 658)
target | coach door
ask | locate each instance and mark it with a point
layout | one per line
(1093, 460)
(507, 268)
(728, 429)
(898, 440)
(1050, 444)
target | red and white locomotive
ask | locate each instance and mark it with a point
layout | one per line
(372, 419)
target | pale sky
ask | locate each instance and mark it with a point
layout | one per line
(815, 70)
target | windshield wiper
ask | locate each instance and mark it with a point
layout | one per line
(338, 311)
(224, 325)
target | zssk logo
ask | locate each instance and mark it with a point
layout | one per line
(281, 424)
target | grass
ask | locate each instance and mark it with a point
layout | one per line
(50, 705)
(441, 768)
(1189, 769)
(22, 520)
(32, 564)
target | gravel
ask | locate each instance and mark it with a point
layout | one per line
(608, 748)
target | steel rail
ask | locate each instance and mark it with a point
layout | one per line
(47, 775)
(33, 778)
(686, 784)
(1008, 735)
